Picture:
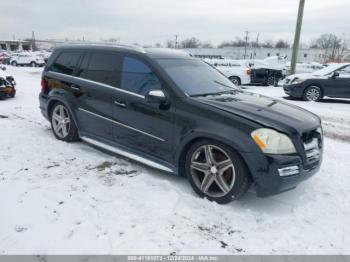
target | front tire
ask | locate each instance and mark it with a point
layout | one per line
(216, 171)
(312, 93)
(14, 63)
(33, 64)
(62, 123)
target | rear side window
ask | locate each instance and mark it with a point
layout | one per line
(101, 67)
(66, 63)
(137, 77)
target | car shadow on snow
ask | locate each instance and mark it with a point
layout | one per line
(335, 100)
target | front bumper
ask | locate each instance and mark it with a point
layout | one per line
(273, 174)
(294, 90)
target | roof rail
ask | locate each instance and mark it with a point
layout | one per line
(113, 44)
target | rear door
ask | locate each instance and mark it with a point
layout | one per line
(143, 126)
(95, 80)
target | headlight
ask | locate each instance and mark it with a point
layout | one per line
(272, 142)
(298, 80)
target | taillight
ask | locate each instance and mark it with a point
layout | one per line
(43, 86)
(248, 71)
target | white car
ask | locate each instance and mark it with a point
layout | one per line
(26, 59)
(238, 71)
(306, 67)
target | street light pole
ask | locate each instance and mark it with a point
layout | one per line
(297, 36)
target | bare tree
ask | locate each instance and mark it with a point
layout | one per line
(170, 44)
(282, 44)
(333, 45)
(191, 43)
(268, 44)
(207, 45)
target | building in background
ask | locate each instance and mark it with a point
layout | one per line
(16, 45)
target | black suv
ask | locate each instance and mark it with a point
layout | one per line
(178, 114)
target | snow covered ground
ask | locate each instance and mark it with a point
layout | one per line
(60, 198)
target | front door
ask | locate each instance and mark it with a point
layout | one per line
(144, 127)
(340, 85)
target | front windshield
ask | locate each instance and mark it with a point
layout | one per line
(327, 70)
(195, 77)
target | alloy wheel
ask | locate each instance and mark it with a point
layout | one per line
(61, 121)
(312, 94)
(212, 171)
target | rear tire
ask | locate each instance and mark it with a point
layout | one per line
(271, 81)
(235, 80)
(33, 64)
(216, 171)
(62, 123)
(312, 93)
(14, 63)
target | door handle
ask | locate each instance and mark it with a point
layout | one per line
(119, 103)
(74, 87)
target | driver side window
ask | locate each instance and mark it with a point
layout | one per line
(137, 77)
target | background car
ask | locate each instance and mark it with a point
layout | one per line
(27, 59)
(331, 81)
(238, 71)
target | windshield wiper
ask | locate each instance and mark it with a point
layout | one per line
(222, 84)
(214, 94)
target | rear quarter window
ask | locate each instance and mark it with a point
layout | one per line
(66, 63)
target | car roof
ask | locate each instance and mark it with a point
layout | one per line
(154, 53)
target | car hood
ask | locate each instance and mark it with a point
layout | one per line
(264, 110)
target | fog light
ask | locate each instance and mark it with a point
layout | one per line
(288, 171)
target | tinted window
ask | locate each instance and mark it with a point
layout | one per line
(138, 77)
(103, 68)
(66, 63)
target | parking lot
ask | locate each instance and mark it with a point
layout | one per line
(61, 198)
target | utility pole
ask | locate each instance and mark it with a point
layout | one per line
(297, 36)
(33, 41)
(176, 41)
(246, 43)
(255, 46)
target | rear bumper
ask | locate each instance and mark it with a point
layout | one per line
(43, 105)
(267, 172)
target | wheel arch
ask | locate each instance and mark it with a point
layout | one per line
(182, 151)
(53, 100)
(237, 77)
(314, 84)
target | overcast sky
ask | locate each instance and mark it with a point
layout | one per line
(151, 21)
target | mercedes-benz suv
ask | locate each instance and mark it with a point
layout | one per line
(178, 114)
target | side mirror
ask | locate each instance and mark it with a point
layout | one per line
(156, 96)
(335, 74)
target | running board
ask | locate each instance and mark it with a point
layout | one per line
(127, 154)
